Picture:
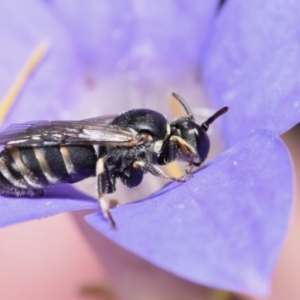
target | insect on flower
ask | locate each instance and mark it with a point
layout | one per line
(42, 153)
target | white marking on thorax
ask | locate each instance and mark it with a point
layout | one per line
(157, 146)
(168, 130)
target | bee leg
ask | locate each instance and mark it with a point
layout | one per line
(169, 153)
(104, 185)
(188, 150)
(105, 209)
(132, 175)
(156, 171)
(185, 147)
(170, 150)
(188, 172)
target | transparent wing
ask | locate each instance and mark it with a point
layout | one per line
(99, 120)
(89, 131)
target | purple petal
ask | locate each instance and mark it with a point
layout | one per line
(58, 199)
(113, 36)
(224, 228)
(101, 53)
(23, 27)
(252, 65)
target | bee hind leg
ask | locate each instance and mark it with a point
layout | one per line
(105, 184)
(105, 209)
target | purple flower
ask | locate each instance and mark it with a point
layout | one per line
(225, 227)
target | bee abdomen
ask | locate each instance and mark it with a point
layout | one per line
(28, 170)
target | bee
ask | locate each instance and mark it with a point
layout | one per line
(42, 153)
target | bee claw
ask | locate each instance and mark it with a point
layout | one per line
(106, 211)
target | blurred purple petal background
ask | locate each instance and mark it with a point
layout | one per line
(251, 65)
(23, 26)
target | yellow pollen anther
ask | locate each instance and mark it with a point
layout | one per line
(21, 79)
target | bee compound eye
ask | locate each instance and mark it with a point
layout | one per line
(202, 142)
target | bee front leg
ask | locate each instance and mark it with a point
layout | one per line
(156, 171)
(169, 153)
(188, 150)
(185, 147)
(105, 184)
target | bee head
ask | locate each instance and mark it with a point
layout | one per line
(194, 141)
(199, 140)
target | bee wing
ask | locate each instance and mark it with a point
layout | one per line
(89, 131)
(99, 120)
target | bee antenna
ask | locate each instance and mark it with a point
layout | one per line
(184, 105)
(219, 113)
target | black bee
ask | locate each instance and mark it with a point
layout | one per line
(43, 153)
